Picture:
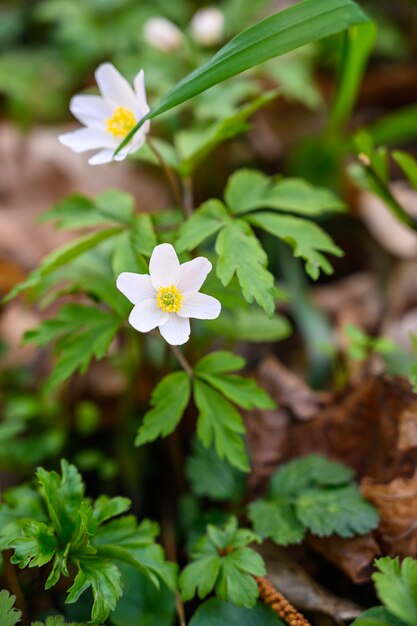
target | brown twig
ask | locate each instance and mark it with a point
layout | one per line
(280, 604)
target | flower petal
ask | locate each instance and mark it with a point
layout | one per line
(200, 306)
(176, 330)
(85, 139)
(141, 102)
(114, 87)
(136, 287)
(91, 111)
(193, 274)
(147, 315)
(164, 266)
(104, 156)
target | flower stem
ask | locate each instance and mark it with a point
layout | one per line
(171, 178)
(182, 360)
(188, 196)
(279, 603)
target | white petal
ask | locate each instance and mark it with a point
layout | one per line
(141, 102)
(91, 111)
(176, 330)
(85, 139)
(146, 316)
(200, 306)
(193, 274)
(164, 266)
(136, 287)
(114, 87)
(104, 156)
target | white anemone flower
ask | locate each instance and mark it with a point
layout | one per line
(162, 34)
(169, 295)
(109, 117)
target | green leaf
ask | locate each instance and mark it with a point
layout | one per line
(222, 560)
(36, 548)
(242, 391)
(215, 612)
(359, 41)
(78, 211)
(252, 325)
(305, 472)
(342, 511)
(9, 616)
(306, 238)
(377, 616)
(282, 32)
(143, 234)
(248, 190)
(56, 620)
(203, 223)
(220, 424)
(277, 520)
(212, 477)
(219, 362)
(105, 580)
(105, 507)
(240, 252)
(169, 401)
(408, 164)
(396, 586)
(125, 259)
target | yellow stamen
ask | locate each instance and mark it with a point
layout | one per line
(169, 299)
(121, 122)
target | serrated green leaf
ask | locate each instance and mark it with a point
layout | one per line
(219, 362)
(37, 546)
(56, 620)
(104, 578)
(377, 616)
(341, 510)
(241, 253)
(277, 520)
(242, 391)
(169, 401)
(204, 222)
(105, 507)
(248, 190)
(212, 477)
(199, 577)
(311, 470)
(220, 424)
(306, 238)
(9, 616)
(215, 612)
(396, 586)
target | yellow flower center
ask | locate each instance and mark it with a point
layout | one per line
(169, 299)
(121, 122)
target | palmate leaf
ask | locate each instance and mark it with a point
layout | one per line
(378, 616)
(56, 620)
(306, 238)
(169, 400)
(204, 222)
(223, 561)
(241, 391)
(248, 190)
(343, 511)
(36, 548)
(241, 253)
(219, 362)
(9, 616)
(396, 586)
(220, 424)
(282, 32)
(277, 520)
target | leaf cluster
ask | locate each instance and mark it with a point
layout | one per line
(216, 391)
(248, 193)
(223, 562)
(312, 494)
(55, 524)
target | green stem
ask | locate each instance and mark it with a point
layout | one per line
(171, 178)
(182, 360)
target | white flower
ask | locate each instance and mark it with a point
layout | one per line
(169, 296)
(207, 26)
(109, 117)
(162, 34)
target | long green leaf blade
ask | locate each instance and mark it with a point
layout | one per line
(282, 32)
